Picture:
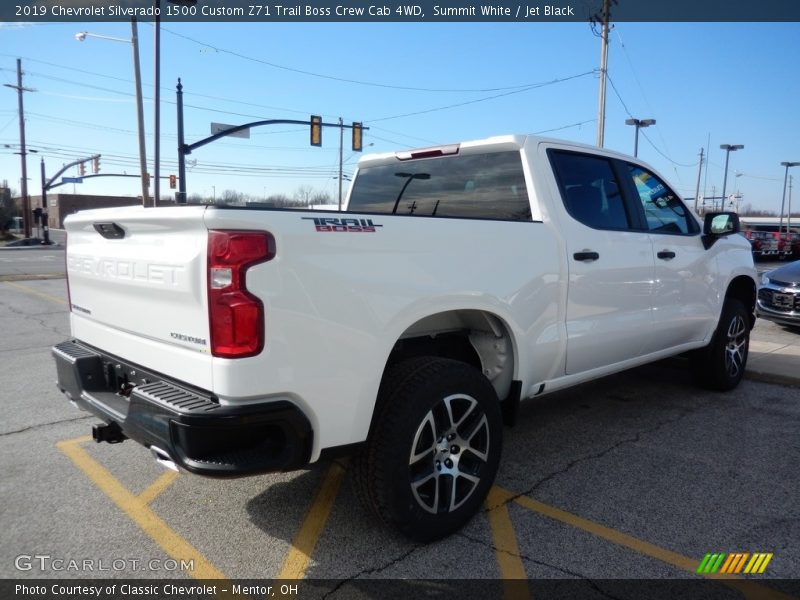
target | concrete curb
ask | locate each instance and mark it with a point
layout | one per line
(773, 378)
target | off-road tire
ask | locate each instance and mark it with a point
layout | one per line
(433, 449)
(720, 365)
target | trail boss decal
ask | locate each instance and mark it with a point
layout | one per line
(343, 225)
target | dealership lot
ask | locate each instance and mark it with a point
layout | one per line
(636, 476)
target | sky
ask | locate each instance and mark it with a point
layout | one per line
(413, 85)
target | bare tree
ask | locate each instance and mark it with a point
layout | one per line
(321, 197)
(304, 194)
(7, 208)
(231, 197)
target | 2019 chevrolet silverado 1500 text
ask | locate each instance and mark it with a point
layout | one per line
(458, 281)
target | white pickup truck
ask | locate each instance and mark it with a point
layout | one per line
(460, 280)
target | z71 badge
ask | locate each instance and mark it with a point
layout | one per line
(343, 225)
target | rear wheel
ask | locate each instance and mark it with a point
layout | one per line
(434, 448)
(720, 365)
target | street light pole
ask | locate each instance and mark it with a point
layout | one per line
(341, 155)
(728, 149)
(45, 217)
(137, 78)
(783, 198)
(639, 123)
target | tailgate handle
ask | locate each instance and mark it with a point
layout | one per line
(110, 231)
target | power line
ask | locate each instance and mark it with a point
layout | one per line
(643, 134)
(485, 99)
(411, 137)
(344, 79)
(163, 88)
(565, 127)
(639, 84)
(215, 167)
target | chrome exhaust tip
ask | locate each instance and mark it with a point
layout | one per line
(163, 458)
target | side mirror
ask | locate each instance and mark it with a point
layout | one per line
(717, 225)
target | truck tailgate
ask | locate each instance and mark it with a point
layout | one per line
(137, 281)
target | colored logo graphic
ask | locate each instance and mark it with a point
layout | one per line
(730, 564)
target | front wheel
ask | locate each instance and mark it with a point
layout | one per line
(434, 448)
(720, 365)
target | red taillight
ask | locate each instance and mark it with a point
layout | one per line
(235, 316)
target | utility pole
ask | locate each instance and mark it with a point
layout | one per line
(26, 201)
(604, 19)
(697, 188)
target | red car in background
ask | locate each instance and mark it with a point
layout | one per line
(766, 241)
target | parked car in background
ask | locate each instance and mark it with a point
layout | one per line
(766, 239)
(794, 245)
(762, 243)
(779, 295)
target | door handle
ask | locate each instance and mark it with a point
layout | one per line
(586, 255)
(666, 254)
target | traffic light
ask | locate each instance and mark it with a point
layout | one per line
(147, 179)
(82, 169)
(358, 137)
(173, 180)
(96, 165)
(316, 130)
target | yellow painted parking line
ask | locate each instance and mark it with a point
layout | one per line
(159, 485)
(27, 290)
(749, 589)
(138, 511)
(612, 535)
(512, 570)
(299, 556)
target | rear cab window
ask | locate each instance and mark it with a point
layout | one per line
(473, 186)
(590, 189)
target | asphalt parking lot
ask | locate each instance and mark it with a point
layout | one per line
(637, 476)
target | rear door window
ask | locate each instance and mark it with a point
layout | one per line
(590, 190)
(473, 186)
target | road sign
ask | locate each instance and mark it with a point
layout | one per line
(220, 127)
(72, 180)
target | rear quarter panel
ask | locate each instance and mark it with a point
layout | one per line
(337, 302)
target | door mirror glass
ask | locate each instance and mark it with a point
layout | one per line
(721, 223)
